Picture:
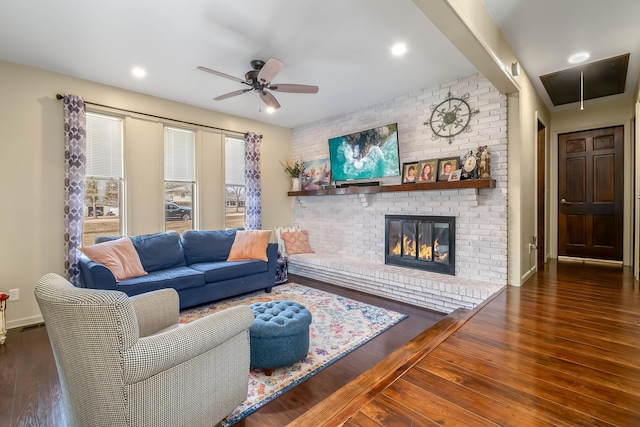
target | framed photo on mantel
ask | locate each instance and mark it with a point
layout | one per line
(427, 170)
(445, 166)
(410, 173)
(455, 175)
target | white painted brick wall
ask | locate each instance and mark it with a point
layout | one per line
(343, 226)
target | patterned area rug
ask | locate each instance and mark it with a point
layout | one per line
(339, 326)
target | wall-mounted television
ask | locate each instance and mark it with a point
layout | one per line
(367, 154)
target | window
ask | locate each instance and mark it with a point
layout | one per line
(179, 178)
(103, 177)
(234, 182)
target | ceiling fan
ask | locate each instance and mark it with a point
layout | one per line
(259, 81)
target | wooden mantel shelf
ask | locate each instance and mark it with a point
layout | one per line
(421, 186)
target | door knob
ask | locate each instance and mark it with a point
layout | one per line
(564, 202)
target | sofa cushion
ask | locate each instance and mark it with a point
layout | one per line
(297, 242)
(119, 256)
(218, 271)
(177, 278)
(278, 232)
(207, 246)
(250, 244)
(159, 251)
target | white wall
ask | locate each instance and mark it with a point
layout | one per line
(341, 225)
(32, 172)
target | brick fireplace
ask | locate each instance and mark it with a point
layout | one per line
(347, 232)
(421, 242)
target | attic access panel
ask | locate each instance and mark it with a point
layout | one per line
(601, 78)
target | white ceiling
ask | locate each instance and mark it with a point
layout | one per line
(544, 33)
(343, 46)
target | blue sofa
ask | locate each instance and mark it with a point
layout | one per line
(194, 264)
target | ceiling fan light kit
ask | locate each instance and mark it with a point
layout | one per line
(259, 80)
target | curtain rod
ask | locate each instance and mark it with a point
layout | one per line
(58, 96)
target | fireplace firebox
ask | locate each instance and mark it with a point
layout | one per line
(421, 242)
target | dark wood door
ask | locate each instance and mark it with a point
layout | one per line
(590, 193)
(541, 195)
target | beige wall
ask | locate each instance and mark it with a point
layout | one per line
(32, 172)
(531, 109)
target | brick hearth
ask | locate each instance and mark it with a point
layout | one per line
(431, 290)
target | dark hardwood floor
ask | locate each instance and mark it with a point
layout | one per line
(564, 349)
(30, 391)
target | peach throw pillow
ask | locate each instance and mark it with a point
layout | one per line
(119, 256)
(296, 242)
(250, 244)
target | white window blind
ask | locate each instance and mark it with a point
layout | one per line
(104, 147)
(179, 154)
(234, 161)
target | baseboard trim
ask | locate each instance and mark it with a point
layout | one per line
(526, 276)
(25, 321)
(588, 260)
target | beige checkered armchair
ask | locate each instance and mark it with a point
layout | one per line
(127, 362)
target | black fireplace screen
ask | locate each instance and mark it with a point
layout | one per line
(422, 242)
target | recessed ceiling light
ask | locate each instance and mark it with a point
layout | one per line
(270, 110)
(399, 49)
(579, 57)
(138, 72)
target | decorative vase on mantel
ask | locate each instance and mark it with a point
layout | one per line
(294, 169)
(295, 184)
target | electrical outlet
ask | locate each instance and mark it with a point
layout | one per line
(14, 294)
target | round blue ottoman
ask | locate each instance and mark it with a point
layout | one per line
(279, 335)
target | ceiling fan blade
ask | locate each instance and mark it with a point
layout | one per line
(292, 88)
(270, 69)
(230, 94)
(218, 73)
(269, 100)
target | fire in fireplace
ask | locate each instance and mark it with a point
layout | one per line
(422, 242)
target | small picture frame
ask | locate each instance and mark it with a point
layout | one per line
(455, 175)
(428, 170)
(446, 165)
(410, 173)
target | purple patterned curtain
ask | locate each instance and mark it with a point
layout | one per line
(74, 156)
(253, 203)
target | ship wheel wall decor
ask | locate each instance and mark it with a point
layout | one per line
(451, 117)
